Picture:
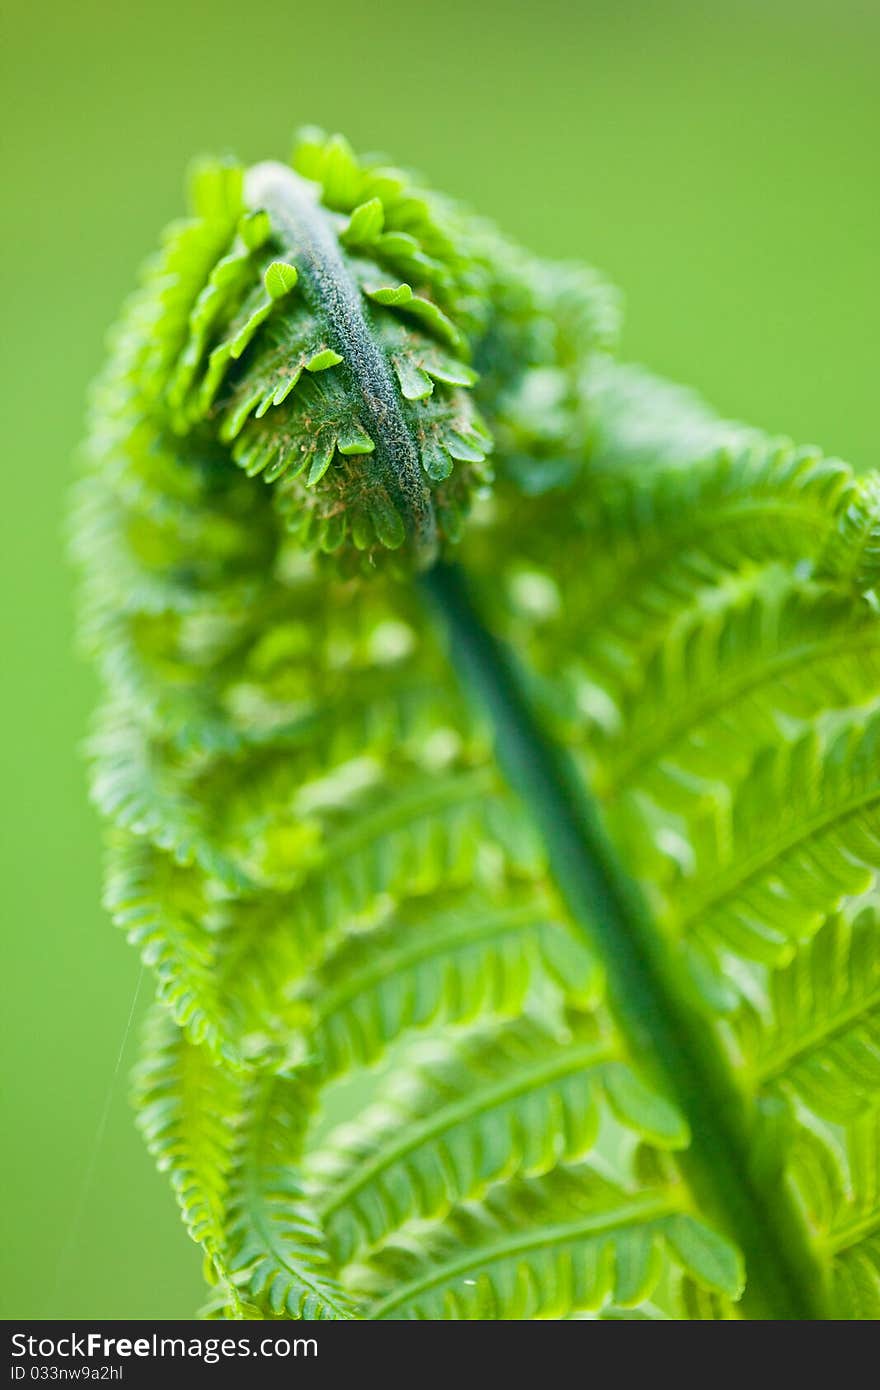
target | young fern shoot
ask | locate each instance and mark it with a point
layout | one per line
(490, 748)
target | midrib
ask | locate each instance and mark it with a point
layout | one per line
(676, 1044)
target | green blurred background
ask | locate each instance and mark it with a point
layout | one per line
(719, 161)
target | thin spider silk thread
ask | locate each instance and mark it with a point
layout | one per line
(86, 1183)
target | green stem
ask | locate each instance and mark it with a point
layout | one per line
(665, 1031)
(307, 234)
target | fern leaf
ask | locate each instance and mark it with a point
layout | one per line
(765, 887)
(762, 651)
(809, 1036)
(164, 912)
(184, 1102)
(514, 926)
(836, 1178)
(514, 1102)
(463, 959)
(587, 1245)
(276, 1255)
(816, 1037)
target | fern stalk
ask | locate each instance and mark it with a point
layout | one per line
(665, 1030)
(329, 286)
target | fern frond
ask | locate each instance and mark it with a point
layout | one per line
(229, 1145)
(462, 959)
(758, 886)
(512, 1102)
(749, 658)
(356, 406)
(810, 1041)
(166, 913)
(514, 927)
(852, 551)
(184, 1103)
(816, 1037)
(837, 1177)
(276, 1254)
(546, 1248)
